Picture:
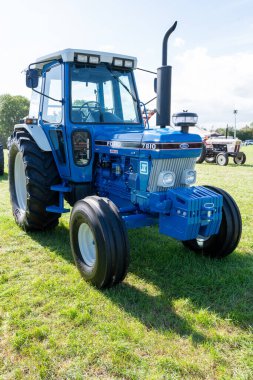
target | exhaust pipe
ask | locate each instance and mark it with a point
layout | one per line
(163, 85)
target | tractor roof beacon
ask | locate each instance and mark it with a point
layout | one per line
(85, 141)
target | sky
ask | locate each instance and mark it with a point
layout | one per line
(211, 50)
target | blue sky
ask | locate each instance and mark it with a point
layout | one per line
(211, 50)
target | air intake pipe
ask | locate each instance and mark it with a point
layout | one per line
(163, 85)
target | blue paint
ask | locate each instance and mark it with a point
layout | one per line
(120, 165)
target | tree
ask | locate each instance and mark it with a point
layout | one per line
(12, 109)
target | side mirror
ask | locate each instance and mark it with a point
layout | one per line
(32, 78)
(155, 85)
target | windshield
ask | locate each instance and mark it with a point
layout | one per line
(102, 95)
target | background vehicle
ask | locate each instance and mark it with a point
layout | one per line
(248, 142)
(1, 159)
(85, 141)
(219, 149)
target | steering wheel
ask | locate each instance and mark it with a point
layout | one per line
(91, 105)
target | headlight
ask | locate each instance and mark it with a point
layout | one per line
(166, 179)
(188, 177)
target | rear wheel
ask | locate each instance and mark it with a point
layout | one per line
(1, 160)
(31, 174)
(201, 158)
(222, 159)
(240, 159)
(228, 237)
(99, 241)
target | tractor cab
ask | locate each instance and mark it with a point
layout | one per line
(97, 88)
(78, 95)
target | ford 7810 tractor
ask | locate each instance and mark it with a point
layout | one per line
(85, 142)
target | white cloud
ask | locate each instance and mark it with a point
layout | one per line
(211, 86)
(214, 86)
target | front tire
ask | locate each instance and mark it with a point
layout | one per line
(225, 242)
(222, 159)
(99, 241)
(31, 174)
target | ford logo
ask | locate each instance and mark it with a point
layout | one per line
(184, 146)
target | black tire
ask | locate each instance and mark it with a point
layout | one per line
(222, 159)
(202, 157)
(1, 159)
(30, 197)
(210, 159)
(228, 237)
(240, 159)
(105, 264)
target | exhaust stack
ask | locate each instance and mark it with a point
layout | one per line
(163, 85)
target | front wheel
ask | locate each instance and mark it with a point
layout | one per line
(99, 241)
(228, 237)
(222, 159)
(240, 159)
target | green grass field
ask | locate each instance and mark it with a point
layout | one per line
(176, 316)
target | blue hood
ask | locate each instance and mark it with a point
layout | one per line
(157, 143)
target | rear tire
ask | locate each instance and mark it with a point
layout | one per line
(240, 159)
(225, 242)
(99, 241)
(201, 158)
(31, 174)
(222, 159)
(1, 160)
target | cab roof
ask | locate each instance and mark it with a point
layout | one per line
(67, 55)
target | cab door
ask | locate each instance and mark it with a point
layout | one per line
(52, 115)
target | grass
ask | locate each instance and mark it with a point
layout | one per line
(176, 316)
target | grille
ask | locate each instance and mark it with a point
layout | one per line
(176, 165)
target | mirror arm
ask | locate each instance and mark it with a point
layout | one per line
(49, 97)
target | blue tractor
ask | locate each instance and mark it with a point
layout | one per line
(85, 142)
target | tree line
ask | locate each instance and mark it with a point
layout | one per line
(245, 133)
(12, 109)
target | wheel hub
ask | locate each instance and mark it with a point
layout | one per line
(87, 244)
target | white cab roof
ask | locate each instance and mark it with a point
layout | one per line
(67, 55)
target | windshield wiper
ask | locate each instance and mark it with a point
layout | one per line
(123, 85)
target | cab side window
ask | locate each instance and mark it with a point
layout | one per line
(52, 110)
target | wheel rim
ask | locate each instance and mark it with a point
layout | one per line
(20, 181)
(221, 160)
(87, 244)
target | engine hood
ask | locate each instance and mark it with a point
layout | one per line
(157, 143)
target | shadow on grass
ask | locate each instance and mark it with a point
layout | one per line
(167, 273)
(57, 240)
